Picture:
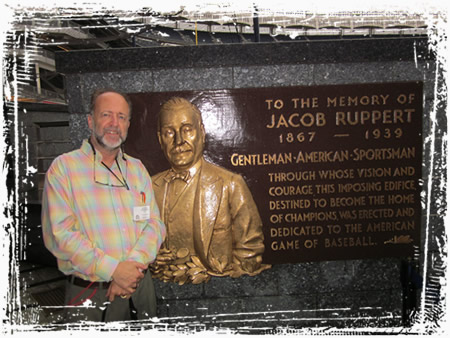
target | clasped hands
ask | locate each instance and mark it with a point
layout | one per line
(125, 279)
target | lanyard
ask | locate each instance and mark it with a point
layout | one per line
(123, 181)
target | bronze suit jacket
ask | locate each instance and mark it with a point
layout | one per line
(227, 225)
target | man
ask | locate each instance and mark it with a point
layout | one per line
(213, 225)
(101, 221)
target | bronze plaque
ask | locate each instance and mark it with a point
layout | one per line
(334, 170)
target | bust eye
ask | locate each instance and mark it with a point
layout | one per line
(187, 129)
(168, 133)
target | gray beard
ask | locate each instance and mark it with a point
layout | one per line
(102, 143)
(107, 146)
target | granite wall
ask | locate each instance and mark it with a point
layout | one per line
(377, 293)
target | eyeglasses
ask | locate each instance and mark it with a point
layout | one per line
(123, 181)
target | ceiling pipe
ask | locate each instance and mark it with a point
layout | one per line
(256, 25)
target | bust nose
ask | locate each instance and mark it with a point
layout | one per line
(179, 138)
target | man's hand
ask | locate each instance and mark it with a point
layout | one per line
(115, 290)
(128, 274)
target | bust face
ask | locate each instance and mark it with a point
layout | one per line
(182, 137)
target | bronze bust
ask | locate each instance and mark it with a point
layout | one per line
(213, 224)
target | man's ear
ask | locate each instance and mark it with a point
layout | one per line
(89, 120)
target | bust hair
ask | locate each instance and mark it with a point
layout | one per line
(176, 102)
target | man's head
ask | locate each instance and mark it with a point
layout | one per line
(109, 118)
(181, 133)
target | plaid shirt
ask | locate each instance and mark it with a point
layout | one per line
(89, 225)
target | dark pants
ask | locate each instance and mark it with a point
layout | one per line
(99, 308)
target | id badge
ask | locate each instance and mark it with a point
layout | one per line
(141, 213)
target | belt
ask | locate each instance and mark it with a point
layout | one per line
(85, 283)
